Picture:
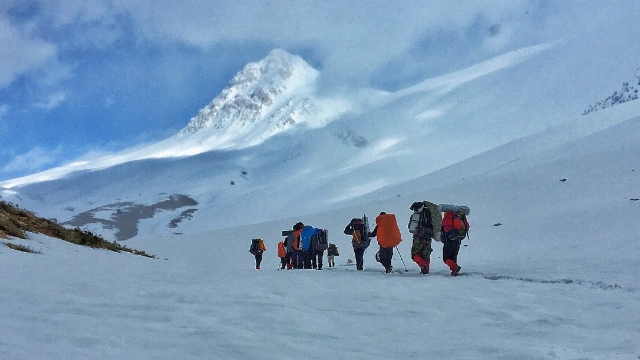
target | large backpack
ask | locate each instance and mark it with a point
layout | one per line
(319, 240)
(282, 252)
(333, 250)
(360, 236)
(455, 226)
(305, 237)
(425, 220)
(255, 246)
(388, 232)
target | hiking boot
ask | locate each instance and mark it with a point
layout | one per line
(424, 269)
(257, 267)
(388, 270)
(456, 271)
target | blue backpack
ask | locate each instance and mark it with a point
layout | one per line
(305, 237)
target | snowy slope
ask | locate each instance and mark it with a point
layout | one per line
(354, 144)
(558, 279)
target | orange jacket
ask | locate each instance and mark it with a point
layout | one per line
(296, 239)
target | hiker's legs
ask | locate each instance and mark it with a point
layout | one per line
(330, 260)
(359, 252)
(287, 260)
(307, 255)
(450, 253)
(295, 259)
(320, 255)
(386, 254)
(258, 260)
(421, 253)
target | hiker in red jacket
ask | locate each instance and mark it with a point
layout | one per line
(455, 228)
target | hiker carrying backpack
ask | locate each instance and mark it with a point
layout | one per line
(389, 236)
(332, 252)
(257, 248)
(282, 254)
(360, 240)
(455, 228)
(296, 256)
(421, 226)
(318, 246)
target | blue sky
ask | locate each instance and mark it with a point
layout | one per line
(83, 78)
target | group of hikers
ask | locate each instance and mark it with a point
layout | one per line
(304, 245)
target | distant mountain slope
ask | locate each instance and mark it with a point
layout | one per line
(388, 145)
(628, 92)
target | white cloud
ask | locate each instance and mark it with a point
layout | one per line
(53, 100)
(21, 52)
(352, 37)
(33, 160)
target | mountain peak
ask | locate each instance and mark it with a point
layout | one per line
(275, 90)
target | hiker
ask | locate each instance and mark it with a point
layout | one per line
(332, 252)
(359, 240)
(282, 254)
(289, 241)
(455, 228)
(420, 224)
(296, 247)
(257, 248)
(388, 235)
(318, 246)
(305, 245)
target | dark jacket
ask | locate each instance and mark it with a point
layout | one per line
(350, 229)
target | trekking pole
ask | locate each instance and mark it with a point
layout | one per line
(405, 266)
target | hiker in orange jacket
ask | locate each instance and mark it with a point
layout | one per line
(282, 254)
(296, 247)
(389, 236)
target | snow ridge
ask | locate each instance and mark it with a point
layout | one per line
(628, 92)
(264, 98)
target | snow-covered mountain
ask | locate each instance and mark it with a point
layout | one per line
(270, 147)
(273, 94)
(264, 99)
